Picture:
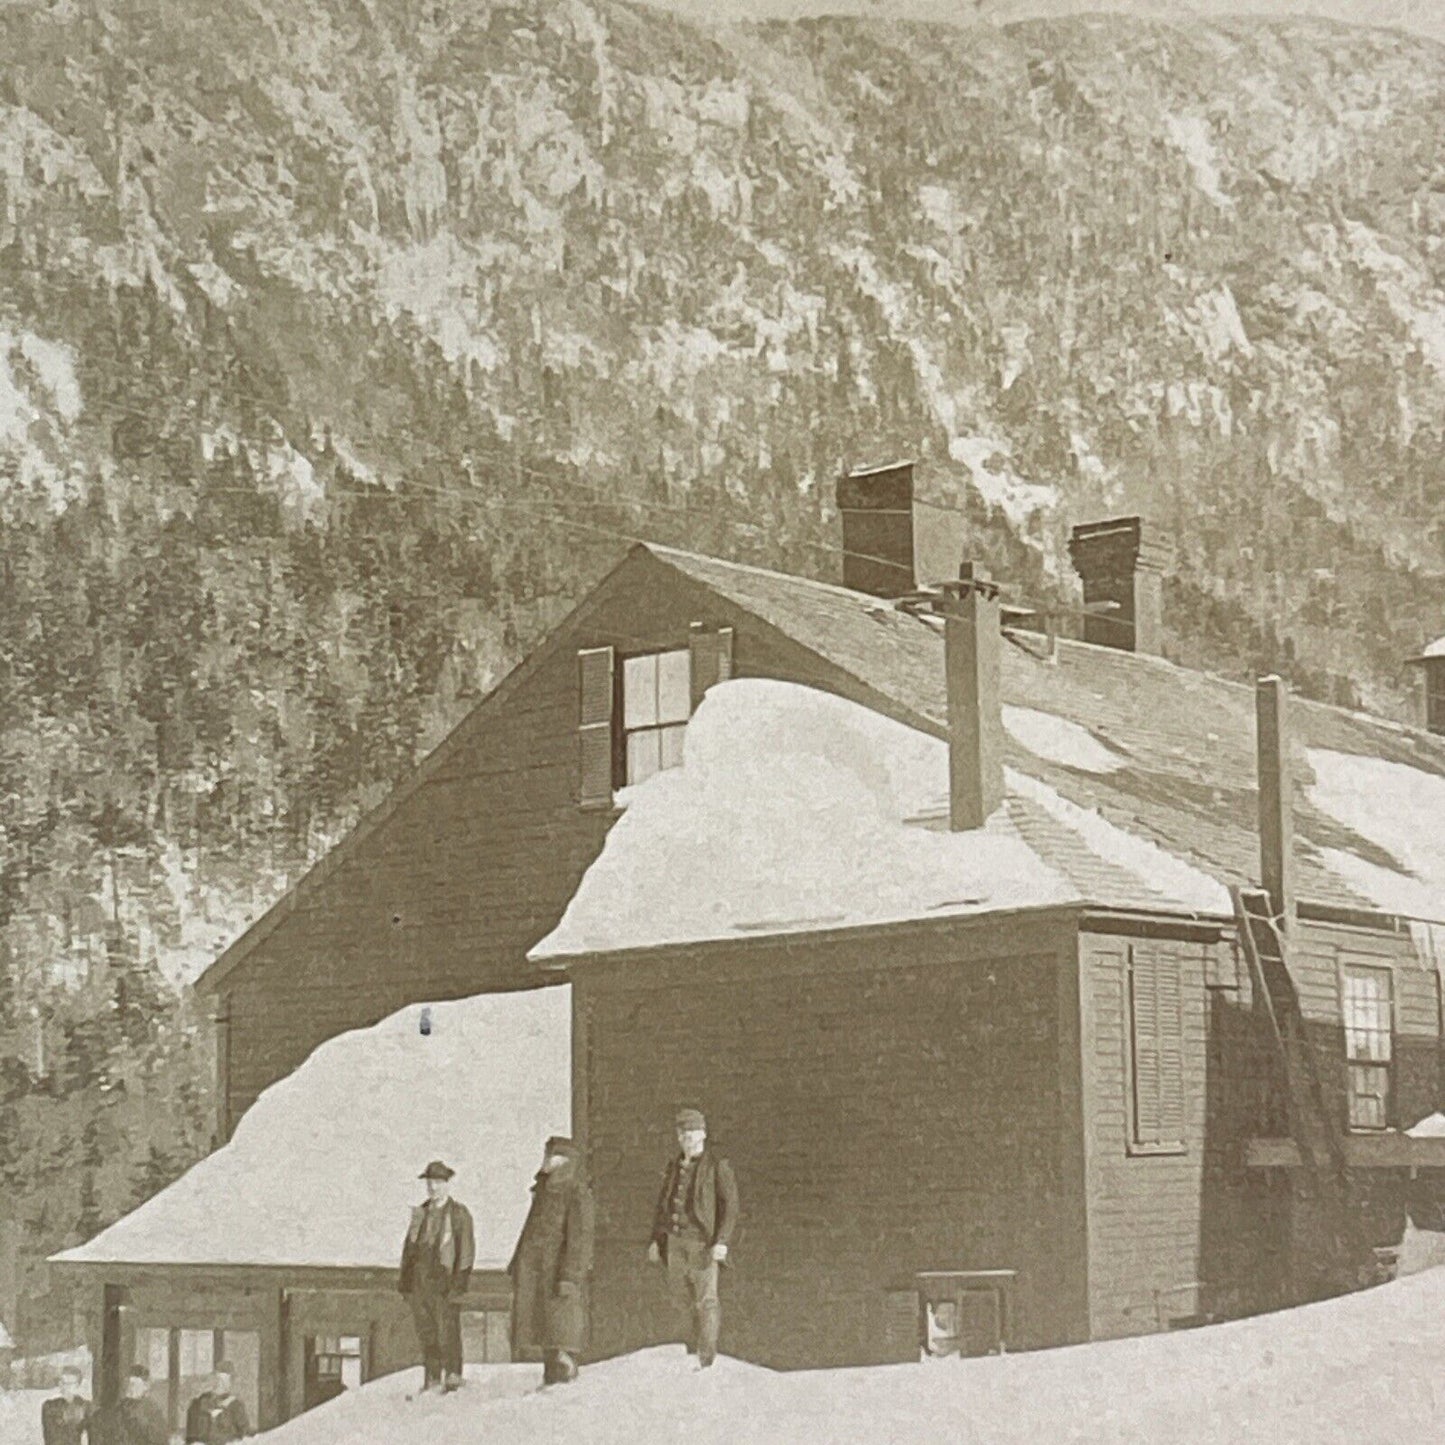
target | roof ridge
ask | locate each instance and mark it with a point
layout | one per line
(1412, 730)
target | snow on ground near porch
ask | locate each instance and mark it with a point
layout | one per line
(795, 809)
(1399, 809)
(20, 1416)
(322, 1170)
(1361, 1370)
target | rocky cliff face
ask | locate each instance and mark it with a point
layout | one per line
(341, 345)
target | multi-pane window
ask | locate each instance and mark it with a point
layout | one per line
(1156, 1051)
(631, 718)
(333, 1364)
(656, 704)
(487, 1336)
(1368, 1044)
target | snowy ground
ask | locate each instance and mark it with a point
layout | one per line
(20, 1416)
(1361, 1369)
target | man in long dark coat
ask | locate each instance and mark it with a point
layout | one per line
(66, 1418)
(550, 1266)
(436, 1267)
(692, 1227)
(217, 1416)
(138, 1420)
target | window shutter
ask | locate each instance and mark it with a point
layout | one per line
(1145, 1040)
(594, 725)
(1167, 974)
(1157, 1038)
(711, 650)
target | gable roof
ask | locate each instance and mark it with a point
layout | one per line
(1184, 740)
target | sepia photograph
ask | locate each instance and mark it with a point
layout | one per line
(722, 721)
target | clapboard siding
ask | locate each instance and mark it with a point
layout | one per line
(1144, 1208)
(477, 863)
(893, 1104)
(1318, 960)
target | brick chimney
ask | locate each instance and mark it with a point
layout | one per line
(875, 505)
(973, 647)
(1123, 570)
(1432, 663)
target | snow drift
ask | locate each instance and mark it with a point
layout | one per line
(1355, 1369)
(322, 1170)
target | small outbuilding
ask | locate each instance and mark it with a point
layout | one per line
(280, 1250)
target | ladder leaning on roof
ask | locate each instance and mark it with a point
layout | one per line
(1320, 1143)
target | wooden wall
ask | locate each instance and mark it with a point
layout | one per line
(894, 1102)
(1146, 1209)
(477, 865)
(1180, 1232)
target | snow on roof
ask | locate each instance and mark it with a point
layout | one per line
(1058, 740)
(1435, 649)
(1430, 1127)
(1174, 881)
(1346, 1370)
(790, 812)
(1398, 809)
(795, 809)
(322, 1170)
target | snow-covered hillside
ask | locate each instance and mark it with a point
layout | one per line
(1360, 1369)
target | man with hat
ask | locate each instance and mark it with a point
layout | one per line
(697, 1212)
(436, 1267)
(550, 1266)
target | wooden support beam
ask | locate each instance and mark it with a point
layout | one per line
(1361, 1151)
(1276, 799)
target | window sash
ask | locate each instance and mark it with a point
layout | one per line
(1368, 1017)
(651, 750)
(656, 689)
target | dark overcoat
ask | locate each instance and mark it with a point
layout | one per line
(216, 1419)
(550, 1266)
(137, 1422)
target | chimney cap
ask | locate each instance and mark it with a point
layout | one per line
(1118, 539)
(880, 468)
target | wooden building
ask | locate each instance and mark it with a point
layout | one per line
(279, 1251)
(1097, 1101)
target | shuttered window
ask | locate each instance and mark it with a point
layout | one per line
(632, 717)
(594, 727)
(1156, 1037)
(711, 653)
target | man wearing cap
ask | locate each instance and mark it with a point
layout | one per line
(550, 1266)
(436, 1267)
(697, 1212)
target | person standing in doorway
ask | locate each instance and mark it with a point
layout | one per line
(436, 1267)
(692, 1227)
(138, 1419)
(550, 1266)
(217, 1416)
(66, 1418)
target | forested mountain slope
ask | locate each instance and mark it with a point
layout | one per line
(342, 345)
